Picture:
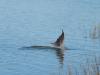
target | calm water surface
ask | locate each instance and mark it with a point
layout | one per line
(25, 23)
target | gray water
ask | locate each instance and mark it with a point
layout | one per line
(25, 23)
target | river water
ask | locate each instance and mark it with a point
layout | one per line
(25, 23)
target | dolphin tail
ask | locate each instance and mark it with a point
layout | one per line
(60, 40)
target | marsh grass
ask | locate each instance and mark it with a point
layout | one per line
(86, 69)
(95, 32)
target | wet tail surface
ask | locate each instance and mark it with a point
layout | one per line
(43, 47)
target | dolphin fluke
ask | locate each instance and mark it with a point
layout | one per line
(59, 43)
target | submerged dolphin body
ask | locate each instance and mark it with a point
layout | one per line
(59, 43)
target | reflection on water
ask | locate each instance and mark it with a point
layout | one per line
(60, 55)
(59, 52)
